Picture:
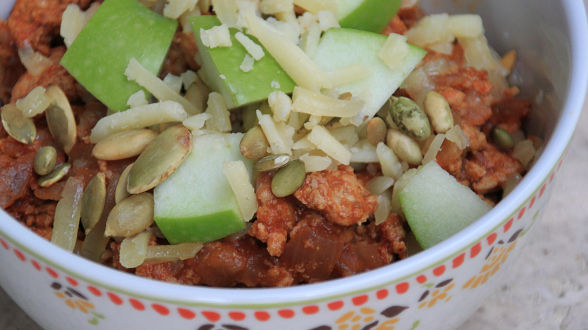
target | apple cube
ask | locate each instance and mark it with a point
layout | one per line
(368, 15)
(118, 31)
(196, 203)
(340, 48)
(436, 206)
(222, 68)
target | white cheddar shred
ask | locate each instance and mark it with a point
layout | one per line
(394, 51)
(291, 58)
(139, 117)
(315, 103)
(321, 137)
(135, 71)
(251, 47)
(217, 36)
(240, 182)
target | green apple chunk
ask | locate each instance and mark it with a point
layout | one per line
(196, 203)
(368, 15)
(221, 66)
(340, 48)
(436, 206)
(118, 31)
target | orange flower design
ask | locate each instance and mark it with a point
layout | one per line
(440, 293)
(75, 300)
(356, 320)
(496, 257)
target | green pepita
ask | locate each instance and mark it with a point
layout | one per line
(160, 159)
(131, 216)
(121, 192)
(61, 120)
(124, 144)
(288, 179)
(93, 202)
(376, 130)
(57, 174)
(502, 138)
(19, 127)
(409, 117)
(271, 162)
(439, 112)
(254, 145)
(45, 160)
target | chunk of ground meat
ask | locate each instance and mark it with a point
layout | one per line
(275, 216)
(450, 158)
(35, 214)
(180, 56)
(509, 113)
(410, 15)
(498, 167)
(392, 231)
(16, 170)
(314, 248)
(223, 263)
(36, 23)
(337, 194)
(467, 91)
(54, 74)
(396, 26)
(10, 67)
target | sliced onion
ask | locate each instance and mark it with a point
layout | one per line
(67, 214)
(379, 184)
(383, 209)
(133, 250)
(164, 253)
(434, 148)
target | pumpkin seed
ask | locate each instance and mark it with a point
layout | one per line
(502, 138)
(288, 179)
(60, 119)
(93, 202)
(404, 147)
(160, 159)
(19, 127)
(439, 112)
(45, 160)
(124, 144)
(131, 216)
(121, 192)
(57, 174)
(271, 162)
(254, 145)
(409, 117)
(376, 130)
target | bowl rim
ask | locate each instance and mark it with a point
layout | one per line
(133, 285)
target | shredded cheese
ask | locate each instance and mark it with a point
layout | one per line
(188, 78)
(216, 36)
(196, 122)
(292, 59)
(239, 179)
(276, 141)
(327, 20)
(315, 103)
(315, 6)
(139, 117)
(434, 148)
(175, 8)
(247, 64)
(390, 164)
(349, 74)
(321, 137)
(220, 119)
(251, 47)
(34, 103)
(270, 7)
(34, 62)
(137, 99)
(280, 104)
(315, 163)
(174, 82)
(135, 71)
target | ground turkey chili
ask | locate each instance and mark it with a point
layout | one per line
(328, 228)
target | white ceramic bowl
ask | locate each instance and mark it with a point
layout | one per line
(435, 289)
